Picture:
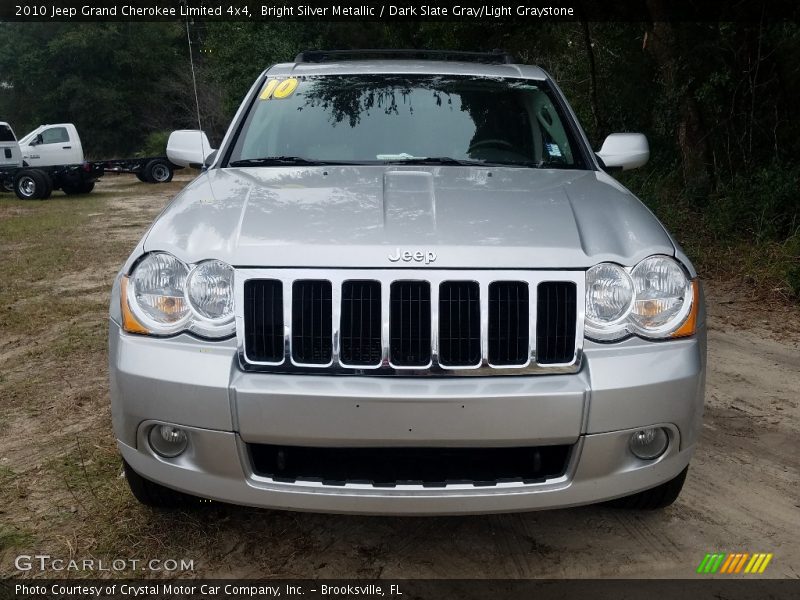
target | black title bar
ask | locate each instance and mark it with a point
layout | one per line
(398, 11)
(400, 589)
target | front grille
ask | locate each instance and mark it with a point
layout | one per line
(389, 467)
(508, 323)
(459, 323)
(361, 323)
(555, 322)
(311, 322)
(410, 322)
(263, 320)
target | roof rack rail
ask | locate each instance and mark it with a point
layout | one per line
(319, 56)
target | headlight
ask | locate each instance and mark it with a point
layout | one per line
(164, 296)
(609, 299)
(656, 300)
(663, 296)
(157, 293)
(209, 289)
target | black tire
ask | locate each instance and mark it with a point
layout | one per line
(142, 178)
(82, 187)
(48, 185)
(155, 495)
(32, 184)
(654, 498)
(7, 185)
(158, 171)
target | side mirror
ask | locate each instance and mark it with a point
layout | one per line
(625, 151)
(189, 148)
(37, 140)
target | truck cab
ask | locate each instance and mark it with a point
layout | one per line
(10, 157)
(9, 148)
(52, 145)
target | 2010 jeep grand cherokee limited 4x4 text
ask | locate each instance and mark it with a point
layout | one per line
(407, 286)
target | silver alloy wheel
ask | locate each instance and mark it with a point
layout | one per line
(27, 186)
(160, 173)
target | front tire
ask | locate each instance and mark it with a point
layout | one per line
(152, 494)
(655, 498)
(158, 171)
(82, 187)
(32, 184)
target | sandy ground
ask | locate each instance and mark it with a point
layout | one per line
(62, 493)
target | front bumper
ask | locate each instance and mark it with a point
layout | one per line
(198, 385)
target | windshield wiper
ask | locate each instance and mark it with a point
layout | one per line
(432, 160)
(407, 159)
(269, 161)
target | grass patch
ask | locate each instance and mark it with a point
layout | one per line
(12, 537)
(730, 236)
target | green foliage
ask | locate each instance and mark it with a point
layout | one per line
(155, 144)
(762, 205)
(107, 78)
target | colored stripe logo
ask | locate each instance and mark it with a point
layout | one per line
(732, 563)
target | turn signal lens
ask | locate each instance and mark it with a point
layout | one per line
(689, 327)
(129, 321)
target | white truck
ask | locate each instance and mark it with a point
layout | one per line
(51, 157)
(10, 156)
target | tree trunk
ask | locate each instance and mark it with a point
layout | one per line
(690, 134)
(599, 126)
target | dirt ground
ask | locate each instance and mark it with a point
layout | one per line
(61, 492)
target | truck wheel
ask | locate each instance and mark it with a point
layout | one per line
(141, 177)
(158, 171)
(48, 185)
(155, 495)
(654, 498)
(83, 187)
(32, 184)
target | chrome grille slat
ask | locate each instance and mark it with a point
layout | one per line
(519, 341)
(410, 342)
(556, 302)
(266, 338)
(459, 323)
(312, 322)
(509, 316)
(360, 336)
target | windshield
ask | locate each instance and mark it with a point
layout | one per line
(392, 118)
(6, 135)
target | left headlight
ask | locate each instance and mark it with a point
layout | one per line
(655, 300)
(165, 296)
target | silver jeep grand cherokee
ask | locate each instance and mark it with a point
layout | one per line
(405, 284)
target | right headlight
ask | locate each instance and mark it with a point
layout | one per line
(655, 300)
(209, 288)
(164, 296)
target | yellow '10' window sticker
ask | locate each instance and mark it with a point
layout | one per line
(278, 89)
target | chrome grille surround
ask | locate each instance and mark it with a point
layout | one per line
(386, 276)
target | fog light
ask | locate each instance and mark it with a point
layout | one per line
(649, 443)
(168, 441)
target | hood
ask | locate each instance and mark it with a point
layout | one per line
(432, 217)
